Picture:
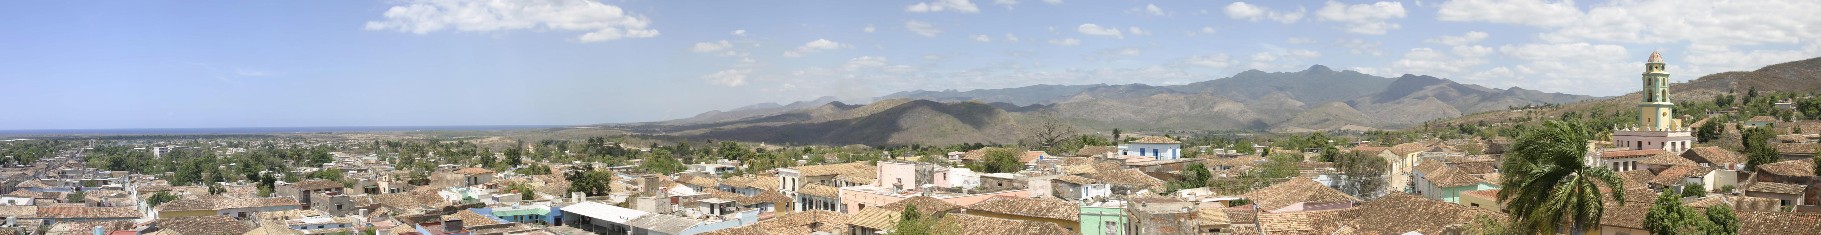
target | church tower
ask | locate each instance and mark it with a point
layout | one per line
(1656, 113)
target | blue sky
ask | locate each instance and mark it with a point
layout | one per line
(177, 64)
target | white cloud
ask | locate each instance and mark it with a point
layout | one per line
(869, 28)
(1207, 30)
(706, 47)
(1363, 18)
(983, 38)
(738, 32)
(1469, 38)
(601, 22)
(1243, 11)
(1053, 2)
(729, 78)
(864, 62)
(1299, 41)
(1007, 3)
(1065, 42)
(921, 28)
(816, 46)
(1427, 61)
(1305, 54)
(944, 5)
(1524, 12)
(1218, 61)
(1154, 10)
(1096, 30)
(1011, 38)
(1137, 31)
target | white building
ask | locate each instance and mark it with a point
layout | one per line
(1156, 147)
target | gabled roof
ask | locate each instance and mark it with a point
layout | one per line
(1714, 155)
(981, 225)
(1629, 215)
(209, 224)
(316, 184)
(1156, 140)
(883, 217)
(1669, 160)
(1446, 177)
(793, 223)
(1405, 149)
(1802, 167)
(1762, 119)
(851, 168)
(819, 190)
(1774, 187)
(86, 212)
(1297, 190)
(473, 171)
(1398, 213)
(1130, 178)
(1676, 174)
(1045, 207)
(1779, 223)
(1095, 150)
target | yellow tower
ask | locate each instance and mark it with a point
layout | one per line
(1656, 112)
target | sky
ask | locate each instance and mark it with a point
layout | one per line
(200, 64)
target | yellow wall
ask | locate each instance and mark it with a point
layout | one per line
(175, 214)
(1073, 226)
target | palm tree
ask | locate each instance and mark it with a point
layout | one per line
(1547, 183)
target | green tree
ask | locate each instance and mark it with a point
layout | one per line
(1668, 216)
(1194, 175)
(1547, 183)
(1707, 132)
(1486, 225)
(1695, 189)
(76, 197)
(1723, 221)
(160, 198)
(910, 223)
(1000, 160)
(586, 179)
(1757, 147)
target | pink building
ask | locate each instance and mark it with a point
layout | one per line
(902, 180)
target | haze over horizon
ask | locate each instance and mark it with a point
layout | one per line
(211, 64)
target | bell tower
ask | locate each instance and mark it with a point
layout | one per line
(1656, 112)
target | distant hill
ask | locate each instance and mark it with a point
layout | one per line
(1795, 76)
(1315, 99)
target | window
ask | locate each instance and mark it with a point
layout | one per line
(1474, 204)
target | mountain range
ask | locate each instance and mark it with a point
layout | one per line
(1314, 99)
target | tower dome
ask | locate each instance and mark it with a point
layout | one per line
(1655, 57)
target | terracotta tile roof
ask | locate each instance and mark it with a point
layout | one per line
(981, 225)
(1294, 191)
(1075, 179)
(315, 184)
(1212, 216)
(1714, 155)
(1405, 149)
(189, 204)
(883, 217)
(1045, 207)
(851, 168)
(1304, 222)
(1762, 119)
(1156, 140)
(1476, 167)
(210, 224)
(1632, 153)
(1779, 223)
(1096, 150)
(819, 190)
(1629, 215)
(1130, 178)
(1364, 149)
(1669, 160)
(18, 211)
(1795, 148)
(698, 181)
(471, 219)
(757, 181)
(1802, 167)
(1398, 213)
(1489, 194)
(1446, 177)
(1677, 174)
(1234, 161)
(1747, 203)
(1031, 156)
(84, 212)
(473, 171)
(1427, 166)
(793, 223)
(1774, 187)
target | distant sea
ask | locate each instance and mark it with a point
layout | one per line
(264, 130)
